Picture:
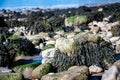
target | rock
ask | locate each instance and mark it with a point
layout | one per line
(26, 69)
(117, 48)
(117, 64)
(78, 73)
(73, 67)
(41, 70)
(116, 30)
(27, 73)
(100, 9)
(114, 39)
(11, 76)
(5, 70)
(50, 42)
(95, 29)
(66, 46)
(93, 69)
(70, 35)
(75, 20)
(60, 32)
(109, 34)
(48, 55)
(89, 50)
(111, 74)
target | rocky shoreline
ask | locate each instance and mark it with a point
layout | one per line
(60, 44)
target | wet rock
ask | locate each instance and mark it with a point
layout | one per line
(77, 73)
(11, 76)
(41, 70)
(111, 74)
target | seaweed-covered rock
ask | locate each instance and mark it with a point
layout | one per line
(4, 56)
(90, 49)
(77, 73)
(11, 76)
(38, 27)
(41, 70)
(116, 30)
(21, 46)
(26, 69)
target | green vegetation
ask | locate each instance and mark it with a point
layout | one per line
(77, 19)
(55, 79)
(48, 47)
(11, 76)
(71, 19)
(13, 37)
(57, 29)
(47, 68)
(22, 67)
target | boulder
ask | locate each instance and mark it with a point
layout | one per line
(66, 46)
(26, 69)
(41, 70)
(75, 20)
(11, 76)
(111, 74)
(78, 73)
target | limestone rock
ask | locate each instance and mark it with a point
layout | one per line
(78, 73)
(41, 70)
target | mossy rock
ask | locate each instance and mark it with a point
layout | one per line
(41, 70)
(13, 37)
(21, 68)
(48, 47)
(75, 20)
(11, 76)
